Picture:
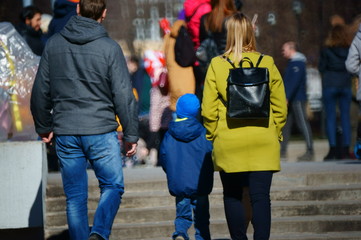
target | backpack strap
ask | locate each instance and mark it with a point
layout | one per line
(259, 59)
(229, 60)
(219, 96)
(246, 59)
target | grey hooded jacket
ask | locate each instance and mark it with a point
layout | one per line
(82, 83)
(353, 61)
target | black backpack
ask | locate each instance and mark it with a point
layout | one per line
(206, 51)
(185, 54)
(248, 91)
(184, 51)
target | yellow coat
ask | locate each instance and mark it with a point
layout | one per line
(243, 145)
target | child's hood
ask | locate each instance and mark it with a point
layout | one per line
(186, 130)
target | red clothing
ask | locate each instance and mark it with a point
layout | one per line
(197, 8)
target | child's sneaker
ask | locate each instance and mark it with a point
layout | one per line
(357, 150)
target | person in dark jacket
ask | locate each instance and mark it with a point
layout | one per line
(30, 30)
(186, 158)
(336, 84)
(213, 23)
(213, 27)
(81, 85)
(63, 11)
(238, 4)
(295, 86)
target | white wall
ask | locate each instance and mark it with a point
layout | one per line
(23, 171)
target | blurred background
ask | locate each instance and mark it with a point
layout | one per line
(134, 24)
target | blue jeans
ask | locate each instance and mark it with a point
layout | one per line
(259, 185)
(103, 153)
(331, 97)
(184, 218)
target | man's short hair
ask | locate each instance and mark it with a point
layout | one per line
(292, 45)
(92, 8)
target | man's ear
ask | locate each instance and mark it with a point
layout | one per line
(27, 21)
(104, 14)
(78, 9)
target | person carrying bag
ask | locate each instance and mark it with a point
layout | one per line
(246, 150)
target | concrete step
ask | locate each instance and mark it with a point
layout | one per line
(309, 200)
(290, 226)
(293, 174)
(163, 198)
(293, 236)
(279, 209)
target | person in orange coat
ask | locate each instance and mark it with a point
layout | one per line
(181, 79)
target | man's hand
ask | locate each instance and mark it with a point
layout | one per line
(47, 137)
(130, 149)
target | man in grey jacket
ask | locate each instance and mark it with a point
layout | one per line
(81, 85)
(353, 65)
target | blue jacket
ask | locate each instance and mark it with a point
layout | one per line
(295, 78)
(63, 11)
(185, 156)
(333, 69)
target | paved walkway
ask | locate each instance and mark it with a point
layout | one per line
(297, 148)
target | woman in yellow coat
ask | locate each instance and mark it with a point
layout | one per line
(246, 152)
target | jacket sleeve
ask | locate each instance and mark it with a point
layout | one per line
(278, 99)
(123, 98)
(40, 102)
(210, 103)
(323, 62)
(162, 154)
(294, 77)
(353, 60)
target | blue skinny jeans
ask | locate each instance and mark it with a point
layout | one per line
(333, 96)
(192, 210)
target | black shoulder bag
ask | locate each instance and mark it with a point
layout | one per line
(248, 91)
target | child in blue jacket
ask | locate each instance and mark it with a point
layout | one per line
(185, 155)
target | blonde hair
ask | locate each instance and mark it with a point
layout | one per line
(240, 36)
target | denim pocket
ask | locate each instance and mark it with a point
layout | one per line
(103, 145)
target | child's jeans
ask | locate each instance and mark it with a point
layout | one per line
(189, 210)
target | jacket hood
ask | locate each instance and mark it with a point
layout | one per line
(81, 30)
(340, 52)
(176, 26)
(299, 57)
(186, 130)
(63, 8)
(358, 34)
(190, 6)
